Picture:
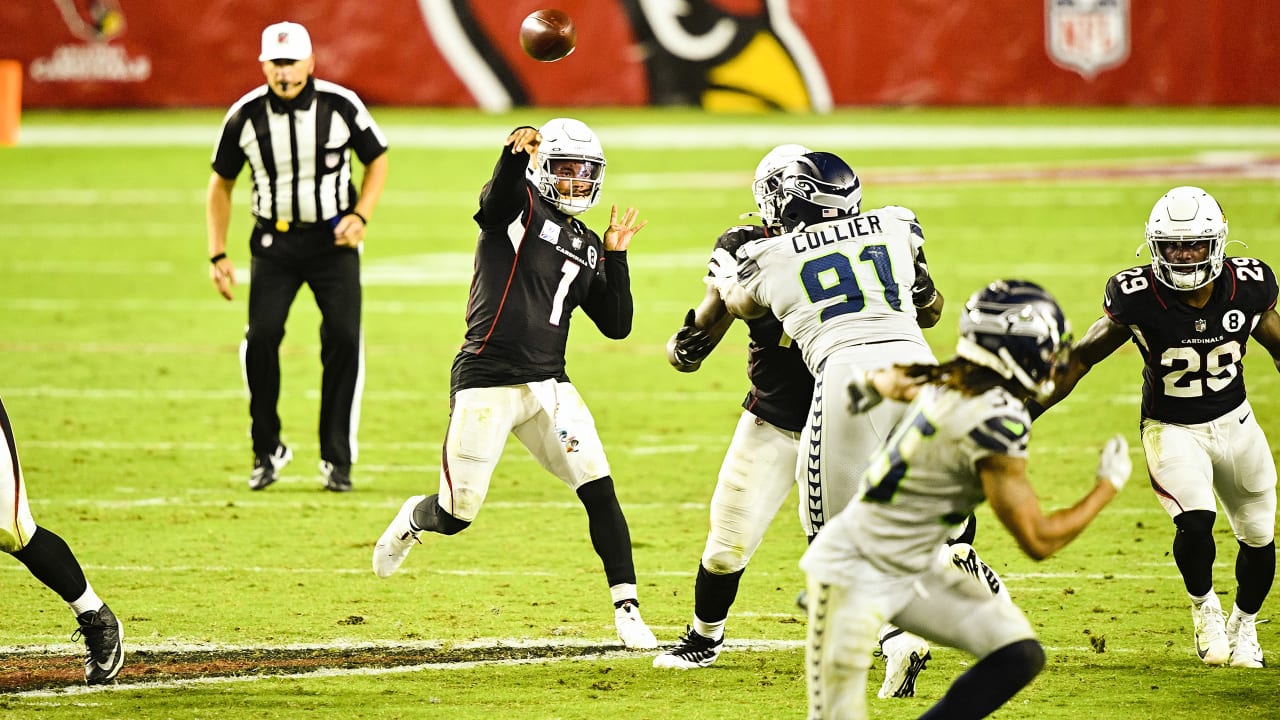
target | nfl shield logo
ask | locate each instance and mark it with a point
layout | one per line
(1201, 325)
(1087, 36)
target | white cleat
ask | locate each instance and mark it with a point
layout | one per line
(632, 631)
(1245, 650)
(905, 655)
(397, 540)
(1211, 632)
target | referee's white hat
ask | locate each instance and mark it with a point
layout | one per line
(285, 41)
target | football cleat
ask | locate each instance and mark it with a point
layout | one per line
(104, 645)
(266, 468)
(694, 651)
(1210, 632)
(1242, 635)
(905, 655)
(397, 540)
(337, 478)
(632, 631)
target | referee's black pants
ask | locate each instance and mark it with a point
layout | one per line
(282, 262)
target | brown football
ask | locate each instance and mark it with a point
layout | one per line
(547, 35)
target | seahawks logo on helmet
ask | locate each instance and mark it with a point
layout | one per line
(818, 187)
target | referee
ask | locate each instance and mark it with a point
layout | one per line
(297, 133)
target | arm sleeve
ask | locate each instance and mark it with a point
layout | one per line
(609, 305)
(228, 156)
(367, 139)
(506, 193)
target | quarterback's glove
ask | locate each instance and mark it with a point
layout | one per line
(1114, 465)
(724, 271)
(690, 345)
(862, 392)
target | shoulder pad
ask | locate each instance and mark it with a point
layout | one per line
(899, 212)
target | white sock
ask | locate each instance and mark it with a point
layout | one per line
(714, 630)
(1237, 615)
(1202, 599)
(623, 591)
(87, 601)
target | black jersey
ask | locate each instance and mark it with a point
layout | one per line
(1192, 370)
(781, 386)
(534, 265)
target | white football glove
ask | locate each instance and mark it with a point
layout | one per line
(724, 271)
(1114, 465)
(862, 392)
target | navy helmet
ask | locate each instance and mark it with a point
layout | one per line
(818, 187)
(1017, 329)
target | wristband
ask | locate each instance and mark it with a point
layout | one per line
(220, 256)
(363, 219)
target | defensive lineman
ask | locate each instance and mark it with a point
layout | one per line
(853, 290)
(1191, 313)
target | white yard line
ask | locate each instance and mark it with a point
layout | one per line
(722, 134)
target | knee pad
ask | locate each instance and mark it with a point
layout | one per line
(1196, 524)
(724, 561)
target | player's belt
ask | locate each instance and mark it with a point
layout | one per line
(285, 226)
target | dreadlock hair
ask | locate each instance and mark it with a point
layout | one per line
(963, 376)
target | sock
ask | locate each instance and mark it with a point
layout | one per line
(608, 529)
(623, 592)
(51, 561)
(1199, 600)
(712, 596)
(1255, 572)
(87, 602)
(712, 630)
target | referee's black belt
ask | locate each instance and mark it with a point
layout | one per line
(285, 226)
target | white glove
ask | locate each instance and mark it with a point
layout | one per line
(724, 271)
(862, 392)
(1114, 465)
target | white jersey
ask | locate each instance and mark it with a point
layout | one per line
(841, 283)
(922, 482)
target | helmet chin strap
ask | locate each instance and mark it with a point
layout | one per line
(1003, 363)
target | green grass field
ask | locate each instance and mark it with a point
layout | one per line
(120, 373)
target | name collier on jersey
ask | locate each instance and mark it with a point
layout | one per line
(857, 226)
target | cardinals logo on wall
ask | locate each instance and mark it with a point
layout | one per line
(727, 55)
(96, 23)
(1087, 36)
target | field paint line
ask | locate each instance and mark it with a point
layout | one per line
(760, 646)
(720, 135)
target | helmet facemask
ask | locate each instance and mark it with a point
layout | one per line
(569, 152)
(1187, 214)
(767, 187)
(1016, 329)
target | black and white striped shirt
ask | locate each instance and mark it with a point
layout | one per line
(299, 150)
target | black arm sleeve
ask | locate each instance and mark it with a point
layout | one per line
(609, 305)
(922, 290)
(505, 195)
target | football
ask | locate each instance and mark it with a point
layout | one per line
(548, 35)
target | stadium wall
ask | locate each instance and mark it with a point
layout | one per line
(722, 55)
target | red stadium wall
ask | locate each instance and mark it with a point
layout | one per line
(717, 54)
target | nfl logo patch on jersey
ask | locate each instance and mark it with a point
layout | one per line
(549, 232)
(1201, 325)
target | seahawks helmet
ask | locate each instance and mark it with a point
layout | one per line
(1187, 214)
(1015, 328)
(566, 139)
(818, 187)
(767, 187)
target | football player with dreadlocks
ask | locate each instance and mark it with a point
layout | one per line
(962, 440)
(536, 262)
(1191, 313)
